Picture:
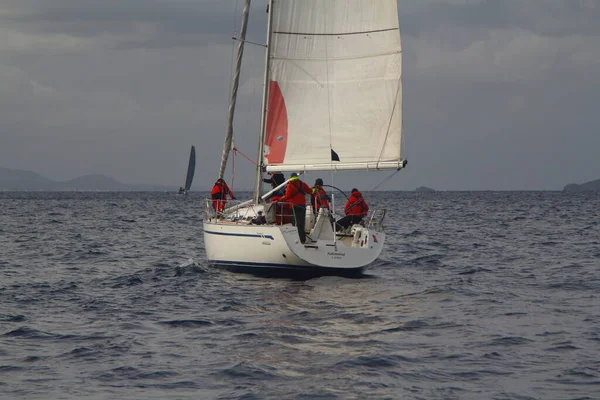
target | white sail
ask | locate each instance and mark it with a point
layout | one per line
(331, 100)
(335, 88)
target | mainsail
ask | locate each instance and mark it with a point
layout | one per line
(335, 88)
(191, 169)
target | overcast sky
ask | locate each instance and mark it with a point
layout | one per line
(498, 94)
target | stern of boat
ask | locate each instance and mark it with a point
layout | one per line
(232, 238)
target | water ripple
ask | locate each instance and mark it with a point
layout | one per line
(477, 295)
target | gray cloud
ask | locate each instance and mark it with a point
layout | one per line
(501, 95)
(75, 26)
(498, 94)
(544, 17)
(91, 17)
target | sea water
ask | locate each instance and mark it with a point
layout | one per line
(477, 295)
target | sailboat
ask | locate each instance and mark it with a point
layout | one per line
(332, 101)
(189, 177)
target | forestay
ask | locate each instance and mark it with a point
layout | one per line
(335, 91)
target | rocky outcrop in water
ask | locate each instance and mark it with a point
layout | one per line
(424, 189)
(591, 186)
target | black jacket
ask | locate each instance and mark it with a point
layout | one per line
(276, 179)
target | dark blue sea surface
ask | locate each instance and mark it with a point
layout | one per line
(478, 295)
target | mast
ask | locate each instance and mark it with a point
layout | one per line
(234, 89)
(263, 117)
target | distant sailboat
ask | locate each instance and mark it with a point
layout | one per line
(332, 101)
(190, 172)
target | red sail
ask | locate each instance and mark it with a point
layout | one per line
(277, 126)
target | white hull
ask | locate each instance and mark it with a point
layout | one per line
(240, 244)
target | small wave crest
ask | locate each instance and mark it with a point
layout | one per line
(250, 371)
(187, 323)
(12, 318)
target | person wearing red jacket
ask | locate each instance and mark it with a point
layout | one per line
(319, 198)
(295, 194)
(355, 209)
(219, 194)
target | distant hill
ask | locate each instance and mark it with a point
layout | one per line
(15, 179)
(92, 182)
(20, 180)
(591, 186)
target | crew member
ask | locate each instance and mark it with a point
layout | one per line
(319, 198)
(356, 209)
(295, 194)
(219, 194)
(276, 179)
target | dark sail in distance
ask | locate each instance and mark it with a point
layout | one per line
(191, 169)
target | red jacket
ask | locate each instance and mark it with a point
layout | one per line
(319, 198)
(356, 205)
(220, 191)
(295, 192)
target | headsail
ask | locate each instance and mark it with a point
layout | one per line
(335, 88)
(191, 169)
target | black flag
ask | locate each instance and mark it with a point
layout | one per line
(334, 156)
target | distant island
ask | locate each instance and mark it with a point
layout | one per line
(591, 186)
(424, 189)
(21, 180)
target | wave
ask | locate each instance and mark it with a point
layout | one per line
(188, 323)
